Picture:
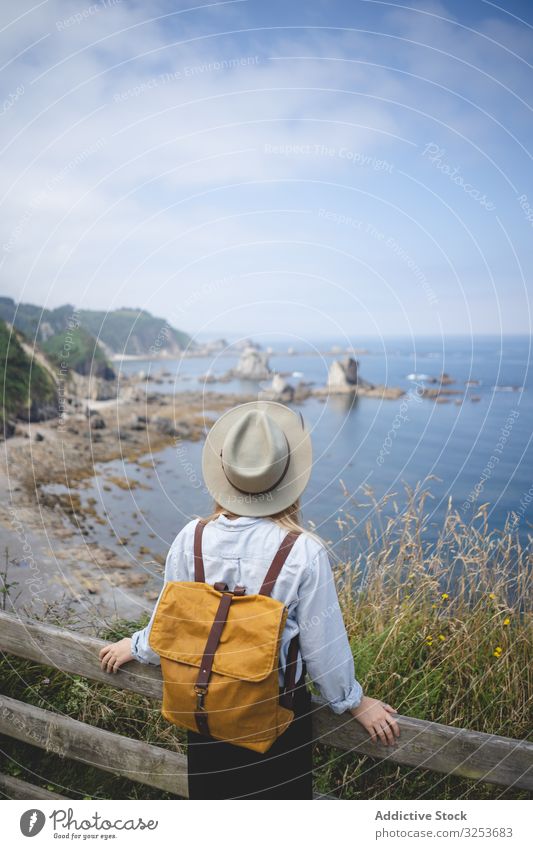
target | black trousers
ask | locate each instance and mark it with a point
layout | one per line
(219, 770)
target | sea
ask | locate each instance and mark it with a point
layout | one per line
(473, 451)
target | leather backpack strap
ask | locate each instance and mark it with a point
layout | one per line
(277, 564)
(199, 573)
(294, 645)
(206, 666)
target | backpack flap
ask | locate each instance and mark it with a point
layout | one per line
(249, 645)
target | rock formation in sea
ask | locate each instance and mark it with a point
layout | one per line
(252, 365)
(344, 376)
(279, 390)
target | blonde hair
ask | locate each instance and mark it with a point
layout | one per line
(290, 518)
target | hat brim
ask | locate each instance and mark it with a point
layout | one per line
(295, 479)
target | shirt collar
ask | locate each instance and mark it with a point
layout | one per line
(238, 523)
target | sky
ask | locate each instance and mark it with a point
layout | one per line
(314, 169)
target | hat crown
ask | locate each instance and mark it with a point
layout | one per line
(255, 452)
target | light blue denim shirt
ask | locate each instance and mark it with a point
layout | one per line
(239, 551)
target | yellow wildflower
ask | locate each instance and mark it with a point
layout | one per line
(492, 595)
(444, 595)
(433, 605)
(507, 621)
(442, 637)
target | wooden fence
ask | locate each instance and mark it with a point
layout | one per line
(422, 744)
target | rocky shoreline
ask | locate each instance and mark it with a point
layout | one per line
(51, 564)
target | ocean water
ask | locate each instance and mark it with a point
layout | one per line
(474, 451)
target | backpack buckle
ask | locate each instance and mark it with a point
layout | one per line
(200, 697)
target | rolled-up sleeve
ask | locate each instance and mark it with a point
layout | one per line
(323, 639)
(140, 648)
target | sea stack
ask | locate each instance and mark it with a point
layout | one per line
(252, 365)
(343, 375)
(279, 390)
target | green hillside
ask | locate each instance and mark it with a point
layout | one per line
(80, 351)
(132, 331)
(123, 331)
(27, 390)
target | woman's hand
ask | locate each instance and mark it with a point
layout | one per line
(376, 718)
(115, 654)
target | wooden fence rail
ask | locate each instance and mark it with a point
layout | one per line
(429, 745)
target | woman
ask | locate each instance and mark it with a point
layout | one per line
(256, 463)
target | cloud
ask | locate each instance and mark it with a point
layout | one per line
(140, 146)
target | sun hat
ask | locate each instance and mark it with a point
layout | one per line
(257, 458)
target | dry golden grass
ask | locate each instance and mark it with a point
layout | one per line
(441, 630)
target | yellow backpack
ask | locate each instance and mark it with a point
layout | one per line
(219, 652)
